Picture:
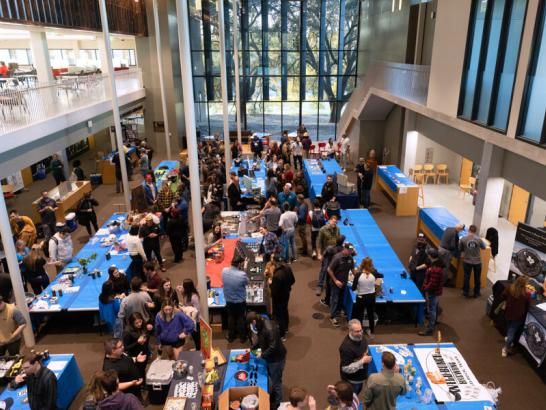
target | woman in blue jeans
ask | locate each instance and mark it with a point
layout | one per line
(517, 305)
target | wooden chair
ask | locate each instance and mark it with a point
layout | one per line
(442, 173)
(429, 172)
(469, 187)
(418, 174)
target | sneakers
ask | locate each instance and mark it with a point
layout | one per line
(314, 255)
(334, 322)
(318, 291)
(504, 352)
(283, 339)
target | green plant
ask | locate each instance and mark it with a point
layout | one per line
(86, 261)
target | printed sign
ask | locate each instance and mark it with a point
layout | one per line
(533, 338)
(529, 253)
(206, 339)
(449, 376)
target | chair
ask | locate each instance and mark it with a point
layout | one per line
(469, 187)
(429, 172)
(418, 174)
(442, 173)
(321, 148)
(312, 151)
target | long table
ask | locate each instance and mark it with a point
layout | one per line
(316, 177)
(69, 383)
(258, 180)
(401, 189)
(432, 222)
(85, 291)
(362, 231)
(430, 366)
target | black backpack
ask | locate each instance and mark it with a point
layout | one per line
(318, 220)
(45, 245)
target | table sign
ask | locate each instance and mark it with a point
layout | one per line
(206, 338)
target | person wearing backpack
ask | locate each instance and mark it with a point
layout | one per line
(60, 247)
(317, 220)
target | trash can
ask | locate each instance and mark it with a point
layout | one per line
(70, 221)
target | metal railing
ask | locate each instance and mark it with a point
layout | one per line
(406, 81)
(22, 104)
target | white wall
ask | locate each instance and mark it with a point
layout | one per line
(123, 43)
(441, 155)
(448, 51)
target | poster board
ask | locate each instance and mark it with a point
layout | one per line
(533, 338)
(529, 253)
(206, 339)
(449, 376)
(16, 181)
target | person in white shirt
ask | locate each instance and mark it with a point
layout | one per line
(364, 286)
(287, 223)
(297, 151)
(136, 251)
(60, 247)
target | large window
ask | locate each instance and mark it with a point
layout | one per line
(62, 57)
(16, 55)
(297, 63)
(492, 54)
(533, 124)
(123, 57)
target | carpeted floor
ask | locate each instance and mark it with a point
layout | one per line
(313, 343)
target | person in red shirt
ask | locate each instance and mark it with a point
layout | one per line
(517, 305)
(288, 174)
(3, 69)
(153, 279)
(432, 289)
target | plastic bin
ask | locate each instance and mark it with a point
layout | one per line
(71, 221)
(158, 380)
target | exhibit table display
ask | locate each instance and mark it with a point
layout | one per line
(252, 176)
(362, 231)
(432, 222)
(69, 383)
(437, 377)
(400, 188)
(163, 169)
(533, 337)
(68, 195)
(315, 172)
(108, 169)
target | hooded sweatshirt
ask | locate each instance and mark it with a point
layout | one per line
(120, 401)
(168, 332)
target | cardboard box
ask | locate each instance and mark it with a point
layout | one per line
(237, 393)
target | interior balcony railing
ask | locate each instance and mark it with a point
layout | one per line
(23, 103)
(406, 81)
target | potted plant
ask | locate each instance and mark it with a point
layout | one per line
(86, 261)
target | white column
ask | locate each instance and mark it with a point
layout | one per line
(223, 83)
(40, 56)
(409, 142)
(15, 272)
(236, 61)
(115, 106)
(161, 80)
(63, 156)
(195, 187)
(490, 187)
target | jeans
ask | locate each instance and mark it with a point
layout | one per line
(513, 329)
(336, 297)
(236, 316)
(288, 240)
(366, 198)
(275, 370)
(432, 307)
(323, 273)
(314, 236)
(468, 268)
(365, 302)
(136, 266)
(357, 387)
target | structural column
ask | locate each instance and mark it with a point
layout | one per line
(115, 106)
(15, 272)
(195, 187)
(40, 56)
(409, 142)
(236, 64)
(490, 187)
(223, 82)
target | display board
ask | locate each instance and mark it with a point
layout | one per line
(206, 338)
(533, 337)
(449, 376)
(529, 253)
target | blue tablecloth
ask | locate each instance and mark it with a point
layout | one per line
(362, 231)
(438, 219)
(316, 177)
(258, 180)
(218, 300)
(164, 168)
(87, 298)
(259, 365)
(393, 177)
(410, 401)
(69, 383)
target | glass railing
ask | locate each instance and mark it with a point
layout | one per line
(23, 103)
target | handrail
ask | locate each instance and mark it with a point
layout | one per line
(24, 105)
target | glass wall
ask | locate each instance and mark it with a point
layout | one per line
(493, 45)
(532, 126)
(16, 55)
(297, 60)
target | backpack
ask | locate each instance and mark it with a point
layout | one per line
(317, 220)
(45, 245)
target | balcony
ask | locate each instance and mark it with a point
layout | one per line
(37, 110)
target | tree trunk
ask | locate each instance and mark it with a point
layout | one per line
(333, 109)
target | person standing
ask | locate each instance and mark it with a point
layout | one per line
(41, 384)
(432, 288)
(271, 214)
(470, 247)
(449, 246)
(136, 339)
(60, 247)
(144, 163)
(364, 286)
(324, 280)
(150, 191)
(270, 245)
(46, 208)
(345, 151)
(287, 223)
(297, 152)
(354, 358)
(171, 329)
(383, 388)
(327, 236)
(257, 146)
(12, 324)
(418, 261)
(35, 272)
(338, 270)
(265, 335)
(329, 189)
(136, 251)
(235, 281)
(301, 227)
(175, 228)
(150, 233)
(57, 169)
(517, 305)
(316, 216)
(306, 144)
(281, 286)
(86, 213)
(77, 170)
(138, 301)
(190, 304)
(365, 182)
(22, 227)
(287, 196)
(235, 195)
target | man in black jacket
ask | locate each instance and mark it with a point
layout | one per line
(234, 194)
(264, 334)
(354, 359)
(281, 285)
(329, 189)
(365, 182)
(41, 384)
